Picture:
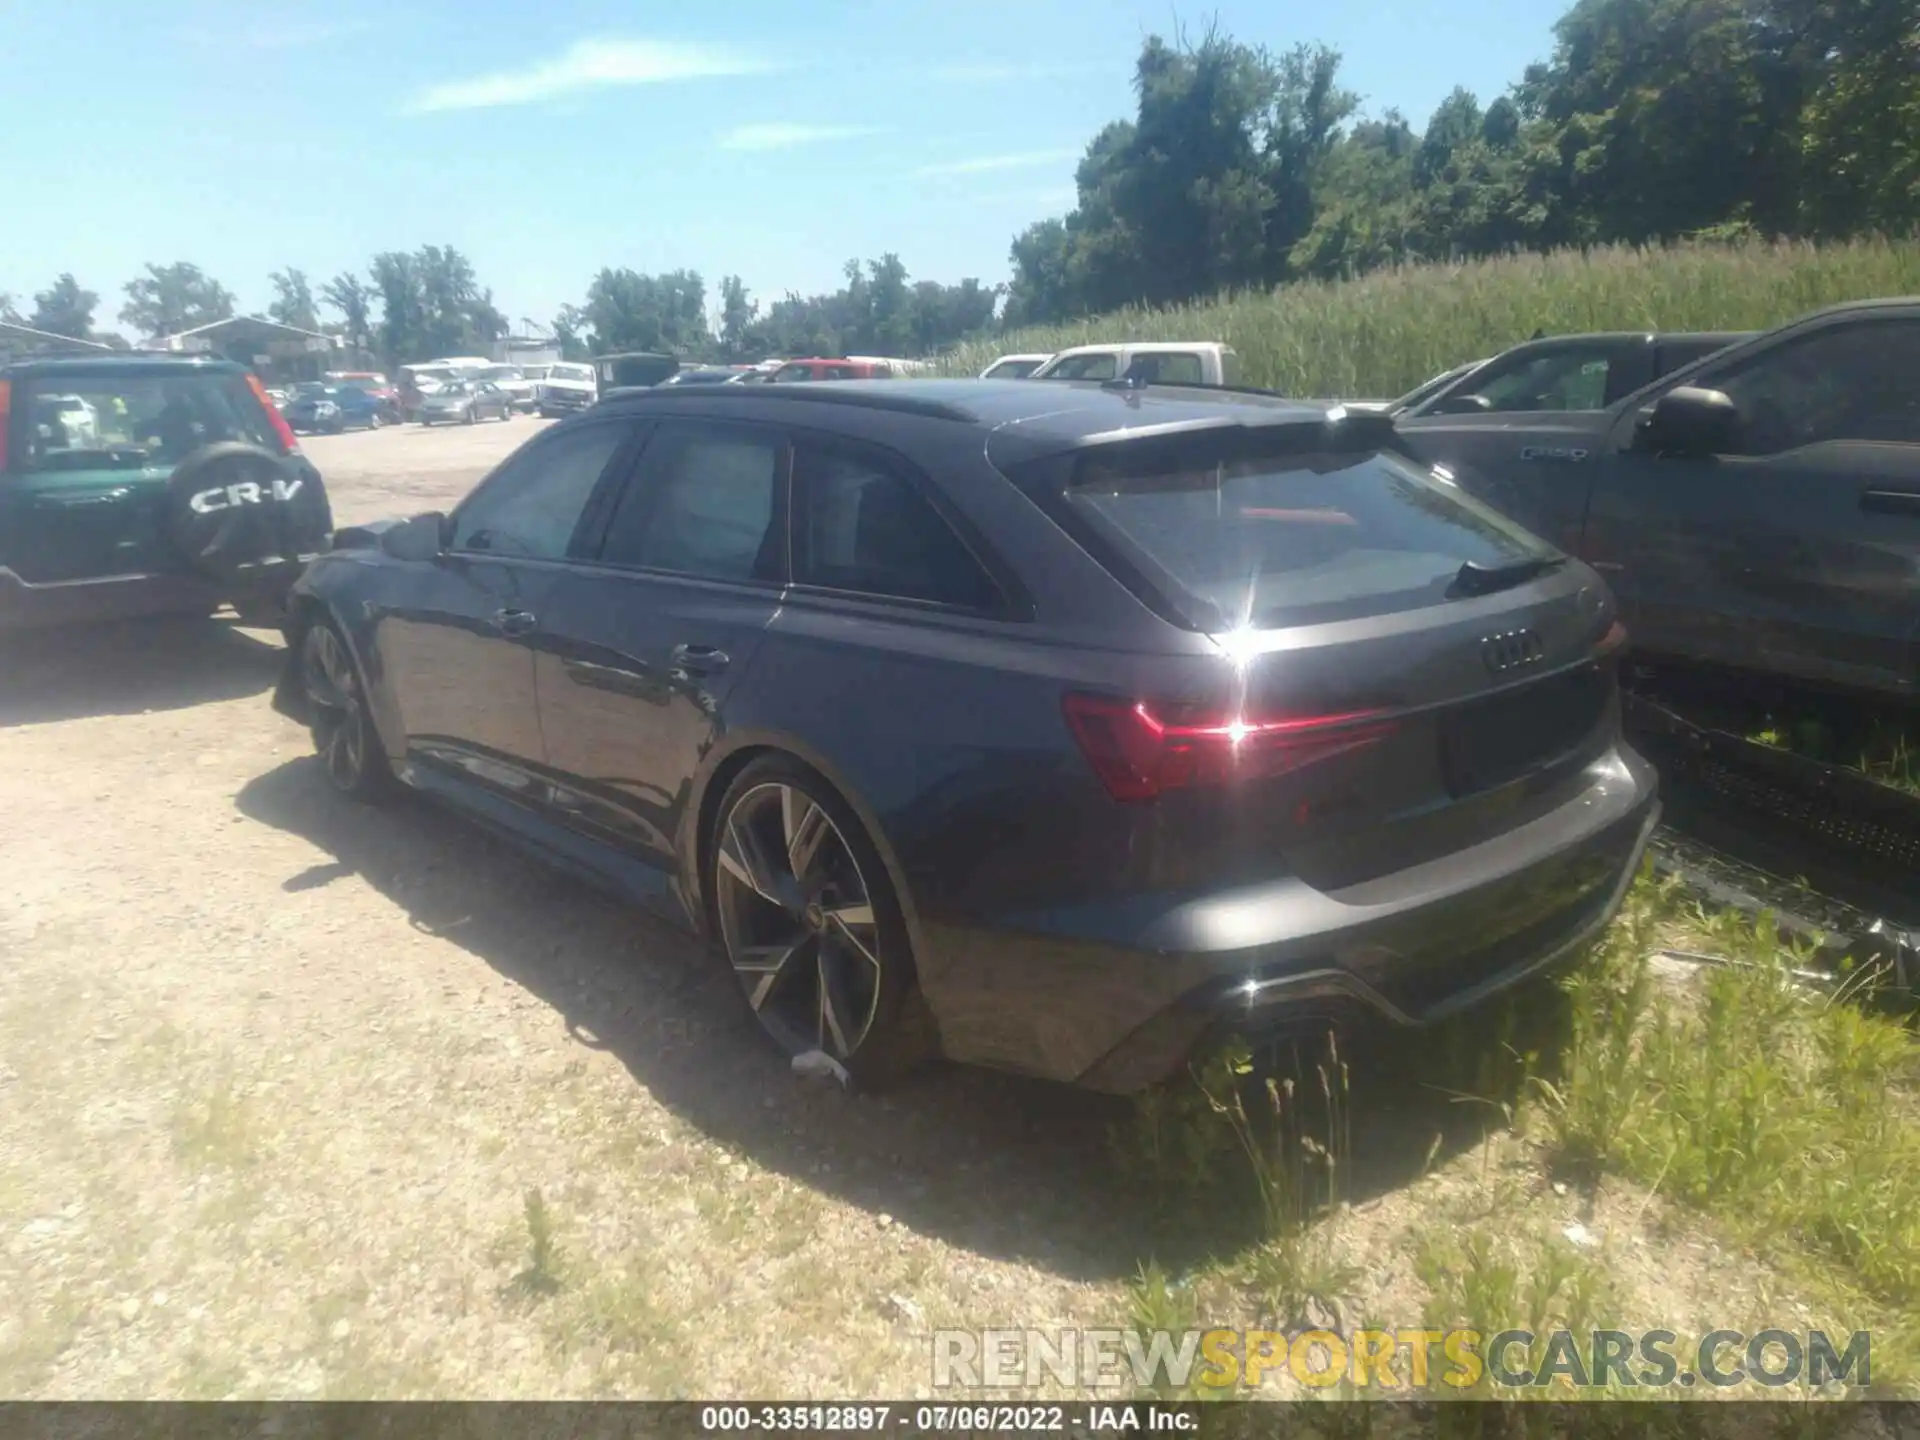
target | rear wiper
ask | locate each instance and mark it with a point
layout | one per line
(1476, 579)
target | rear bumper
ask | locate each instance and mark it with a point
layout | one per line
(1410, 948)
(26, 606)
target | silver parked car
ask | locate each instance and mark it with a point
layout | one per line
(465, 401)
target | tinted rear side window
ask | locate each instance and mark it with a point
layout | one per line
(863, 526)
(1237, 538)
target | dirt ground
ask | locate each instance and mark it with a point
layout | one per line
(300, 1098)
(278, 1073)
(408, 468)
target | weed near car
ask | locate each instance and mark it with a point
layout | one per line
(1730, 1122)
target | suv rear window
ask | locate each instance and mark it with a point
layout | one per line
(1229, 533)
(133, 422)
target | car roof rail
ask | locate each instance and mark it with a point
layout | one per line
(891, 395)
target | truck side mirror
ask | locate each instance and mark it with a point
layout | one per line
(1689, 421)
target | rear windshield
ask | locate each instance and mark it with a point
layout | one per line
(1013, 369)
(1239, 538)
(134, 422)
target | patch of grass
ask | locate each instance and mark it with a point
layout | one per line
(1488, 1280)
(542, 1276)
(1380, 335)
(215, 1127)
(1789, 1116)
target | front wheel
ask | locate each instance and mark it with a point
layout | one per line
(343, 734)
(811, 926)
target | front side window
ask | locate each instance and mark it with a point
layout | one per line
(531, 507)
(1012, 370)
(705, 503)
(1846, 382)
(1564, 380)
(862, 525)
(1084, 367)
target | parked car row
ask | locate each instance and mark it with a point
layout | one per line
(1203, 707)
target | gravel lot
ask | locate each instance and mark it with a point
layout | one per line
(300, 1098)
(278, 1074)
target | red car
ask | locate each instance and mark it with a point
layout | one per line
(821, 369)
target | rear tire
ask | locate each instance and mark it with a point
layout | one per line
(810, 925)
(343, 733)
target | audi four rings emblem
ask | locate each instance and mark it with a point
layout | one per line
(1511, 649)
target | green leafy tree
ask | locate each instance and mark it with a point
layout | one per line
(737, 315)
(172, 298)
(432, 304)
(63, 308)
(626, 310)
(293, 300)
(569, 329)
(352, 299)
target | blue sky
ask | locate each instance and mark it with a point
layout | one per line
(546, 138)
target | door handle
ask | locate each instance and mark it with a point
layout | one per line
(1891, 502)
(514, 622)
(699, 659)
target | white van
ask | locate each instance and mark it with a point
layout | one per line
(1199, 362)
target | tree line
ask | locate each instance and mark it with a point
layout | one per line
(1653, 120)
(427, 302)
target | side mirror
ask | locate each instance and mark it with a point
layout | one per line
(1462, 405)
(1689, 421)
(422, 537)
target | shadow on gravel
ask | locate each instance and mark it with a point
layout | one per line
(1007, 1167)
(131, 666)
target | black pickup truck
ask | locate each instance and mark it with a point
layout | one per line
(1757, 509)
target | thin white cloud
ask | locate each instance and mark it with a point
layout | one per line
(784, 135)
(1006, 74)
(983, 164)
(589, 65)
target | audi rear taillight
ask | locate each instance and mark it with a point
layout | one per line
(1611, 643)
(282, 431)
(1140, 751)
(6, 409)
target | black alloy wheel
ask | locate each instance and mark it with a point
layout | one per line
(343, 733)
(811, 927)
